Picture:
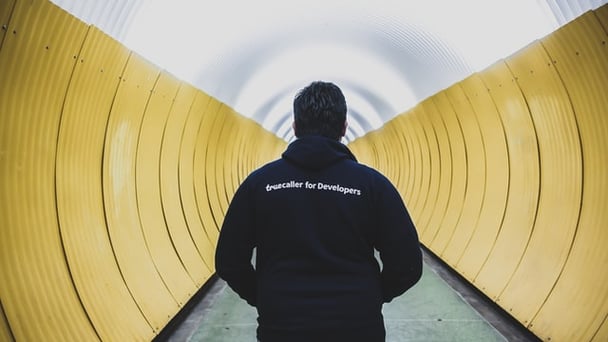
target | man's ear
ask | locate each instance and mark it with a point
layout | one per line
(343, 129)
(295, 131)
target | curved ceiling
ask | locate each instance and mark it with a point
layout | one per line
(387, 56)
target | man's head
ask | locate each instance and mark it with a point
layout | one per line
(320, 109)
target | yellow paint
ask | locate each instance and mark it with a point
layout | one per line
(36, 63)
(521, 201)
(80, 206)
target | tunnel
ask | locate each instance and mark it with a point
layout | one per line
(115, 174)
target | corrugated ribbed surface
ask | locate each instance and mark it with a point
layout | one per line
(98, 233)
(580, 56)
(36, 63)
(519, 203)
(80, 205)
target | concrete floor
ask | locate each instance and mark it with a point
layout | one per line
(441, 307)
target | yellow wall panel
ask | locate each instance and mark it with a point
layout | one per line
(602, 332)
(191, 173)
(370, 154)
(230, 135)
(410, 161)
(520, 210)
(100, 233)
(100, 285)
(36, 63)
(392, 148)
(220, 132)
(270, 147)
(407, 168)
(496, 178)
(203, 158)
(421, 166)
(232, 178)
(578, 303)
(361, 148)
(240, 137)
(242, 158)
(198, 268)
(214, 153)
(444, 167)
(440, 240)
(241, 153)
(120, 194)
(5, 329)
(536, 123)
(380, 157)
(147, 181)
(602, 15)
(401, 157)
(386, 154)
(380, 152)
(204, 168)
(250, 143)
(560, 181)
(475, 177)
(429, 198)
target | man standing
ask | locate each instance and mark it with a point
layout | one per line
(315, 217)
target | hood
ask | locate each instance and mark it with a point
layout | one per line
(316, 152)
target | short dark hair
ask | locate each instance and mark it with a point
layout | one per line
(320, 109)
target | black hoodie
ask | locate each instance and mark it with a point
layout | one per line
(315, 217)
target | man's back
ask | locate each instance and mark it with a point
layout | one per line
(316, 216)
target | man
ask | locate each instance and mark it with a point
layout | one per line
(315, 217)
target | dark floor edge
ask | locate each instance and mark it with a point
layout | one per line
(207, 292)
(495, 315)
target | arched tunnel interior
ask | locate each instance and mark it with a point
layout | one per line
(115, 175)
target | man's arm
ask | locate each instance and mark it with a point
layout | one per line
(235, 247)
(398, 244)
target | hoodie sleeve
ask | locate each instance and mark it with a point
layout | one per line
(397, 242)
(235, 247)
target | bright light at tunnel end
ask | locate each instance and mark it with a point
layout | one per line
(349, 67)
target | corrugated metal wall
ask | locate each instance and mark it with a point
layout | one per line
(114, 179)
(506, 176)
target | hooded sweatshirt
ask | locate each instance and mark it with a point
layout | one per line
(315, 218)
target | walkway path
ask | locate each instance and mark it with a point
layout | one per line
(431, 311)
